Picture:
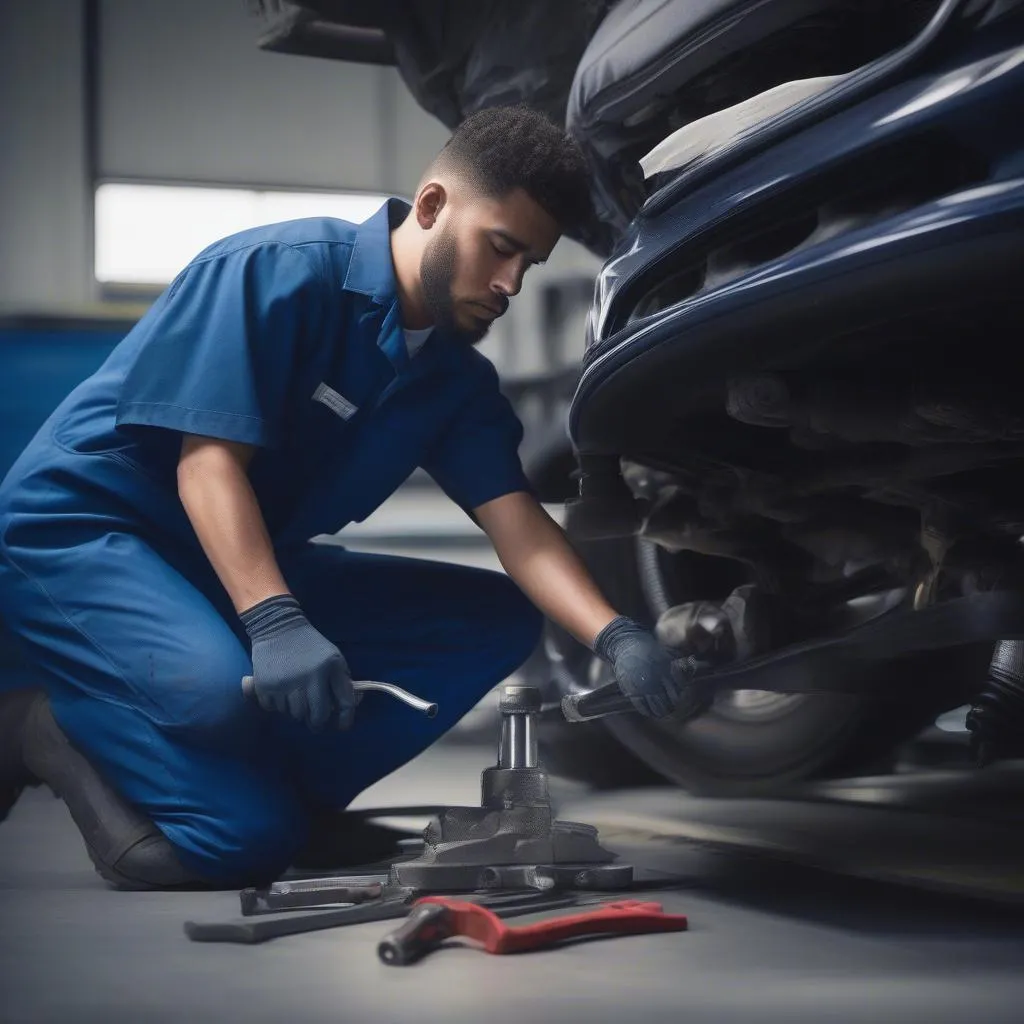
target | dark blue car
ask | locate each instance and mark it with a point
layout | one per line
(799, 417)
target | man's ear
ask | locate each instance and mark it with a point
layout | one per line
(429, 203)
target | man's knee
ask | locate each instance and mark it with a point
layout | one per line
(248, 844)
(123, 842)
(249, 853)
(150, 863)
(254, 845)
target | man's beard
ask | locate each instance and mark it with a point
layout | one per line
(437, 274)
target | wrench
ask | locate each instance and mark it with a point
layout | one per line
(361, 686)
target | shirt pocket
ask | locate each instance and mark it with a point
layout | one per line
(329, 418)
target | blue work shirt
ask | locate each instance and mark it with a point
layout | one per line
(289, 338)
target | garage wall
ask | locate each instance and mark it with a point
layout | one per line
(186, 95)
(45, 259)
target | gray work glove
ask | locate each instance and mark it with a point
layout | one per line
(296, 670)
(654, 677)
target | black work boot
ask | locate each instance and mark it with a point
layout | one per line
(14, 775)
(127, 849)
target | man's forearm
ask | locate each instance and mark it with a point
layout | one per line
(536, 553)
(218, 498)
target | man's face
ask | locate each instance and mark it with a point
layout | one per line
(476, 257)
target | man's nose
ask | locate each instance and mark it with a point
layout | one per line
(507, 284)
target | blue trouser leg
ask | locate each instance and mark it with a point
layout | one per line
(144, 674)
(446, 633)
(142, 671)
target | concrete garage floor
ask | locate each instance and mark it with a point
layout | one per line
(767, 942)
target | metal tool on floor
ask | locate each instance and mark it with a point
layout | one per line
(429, 708)
(392, 906)
(312, 892)
(434, 919)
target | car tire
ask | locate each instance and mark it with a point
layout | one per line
(723, 752)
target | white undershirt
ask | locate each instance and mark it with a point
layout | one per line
(414, 340)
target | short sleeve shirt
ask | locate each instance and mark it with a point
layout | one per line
(287, 338)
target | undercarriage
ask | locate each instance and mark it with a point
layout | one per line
(842, 523)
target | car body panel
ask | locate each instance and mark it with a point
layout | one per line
(977, 99)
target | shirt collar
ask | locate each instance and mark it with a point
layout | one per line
(370, 270)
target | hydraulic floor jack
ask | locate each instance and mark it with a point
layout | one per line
(510, 852)
(512, 840)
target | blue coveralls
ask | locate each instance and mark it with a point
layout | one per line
(286, 337)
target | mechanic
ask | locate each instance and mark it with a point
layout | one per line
(155, 535)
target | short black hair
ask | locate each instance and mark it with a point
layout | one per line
(505, 148)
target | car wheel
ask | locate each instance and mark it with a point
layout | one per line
(748, 741)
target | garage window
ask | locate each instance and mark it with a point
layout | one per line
(145, 234)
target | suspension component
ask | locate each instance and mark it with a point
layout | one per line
(938, 534)
(996, 719)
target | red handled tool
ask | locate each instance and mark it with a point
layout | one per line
(437, 918)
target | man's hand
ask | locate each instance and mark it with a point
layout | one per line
(537, 554)
(644, 668)
(296, 670)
